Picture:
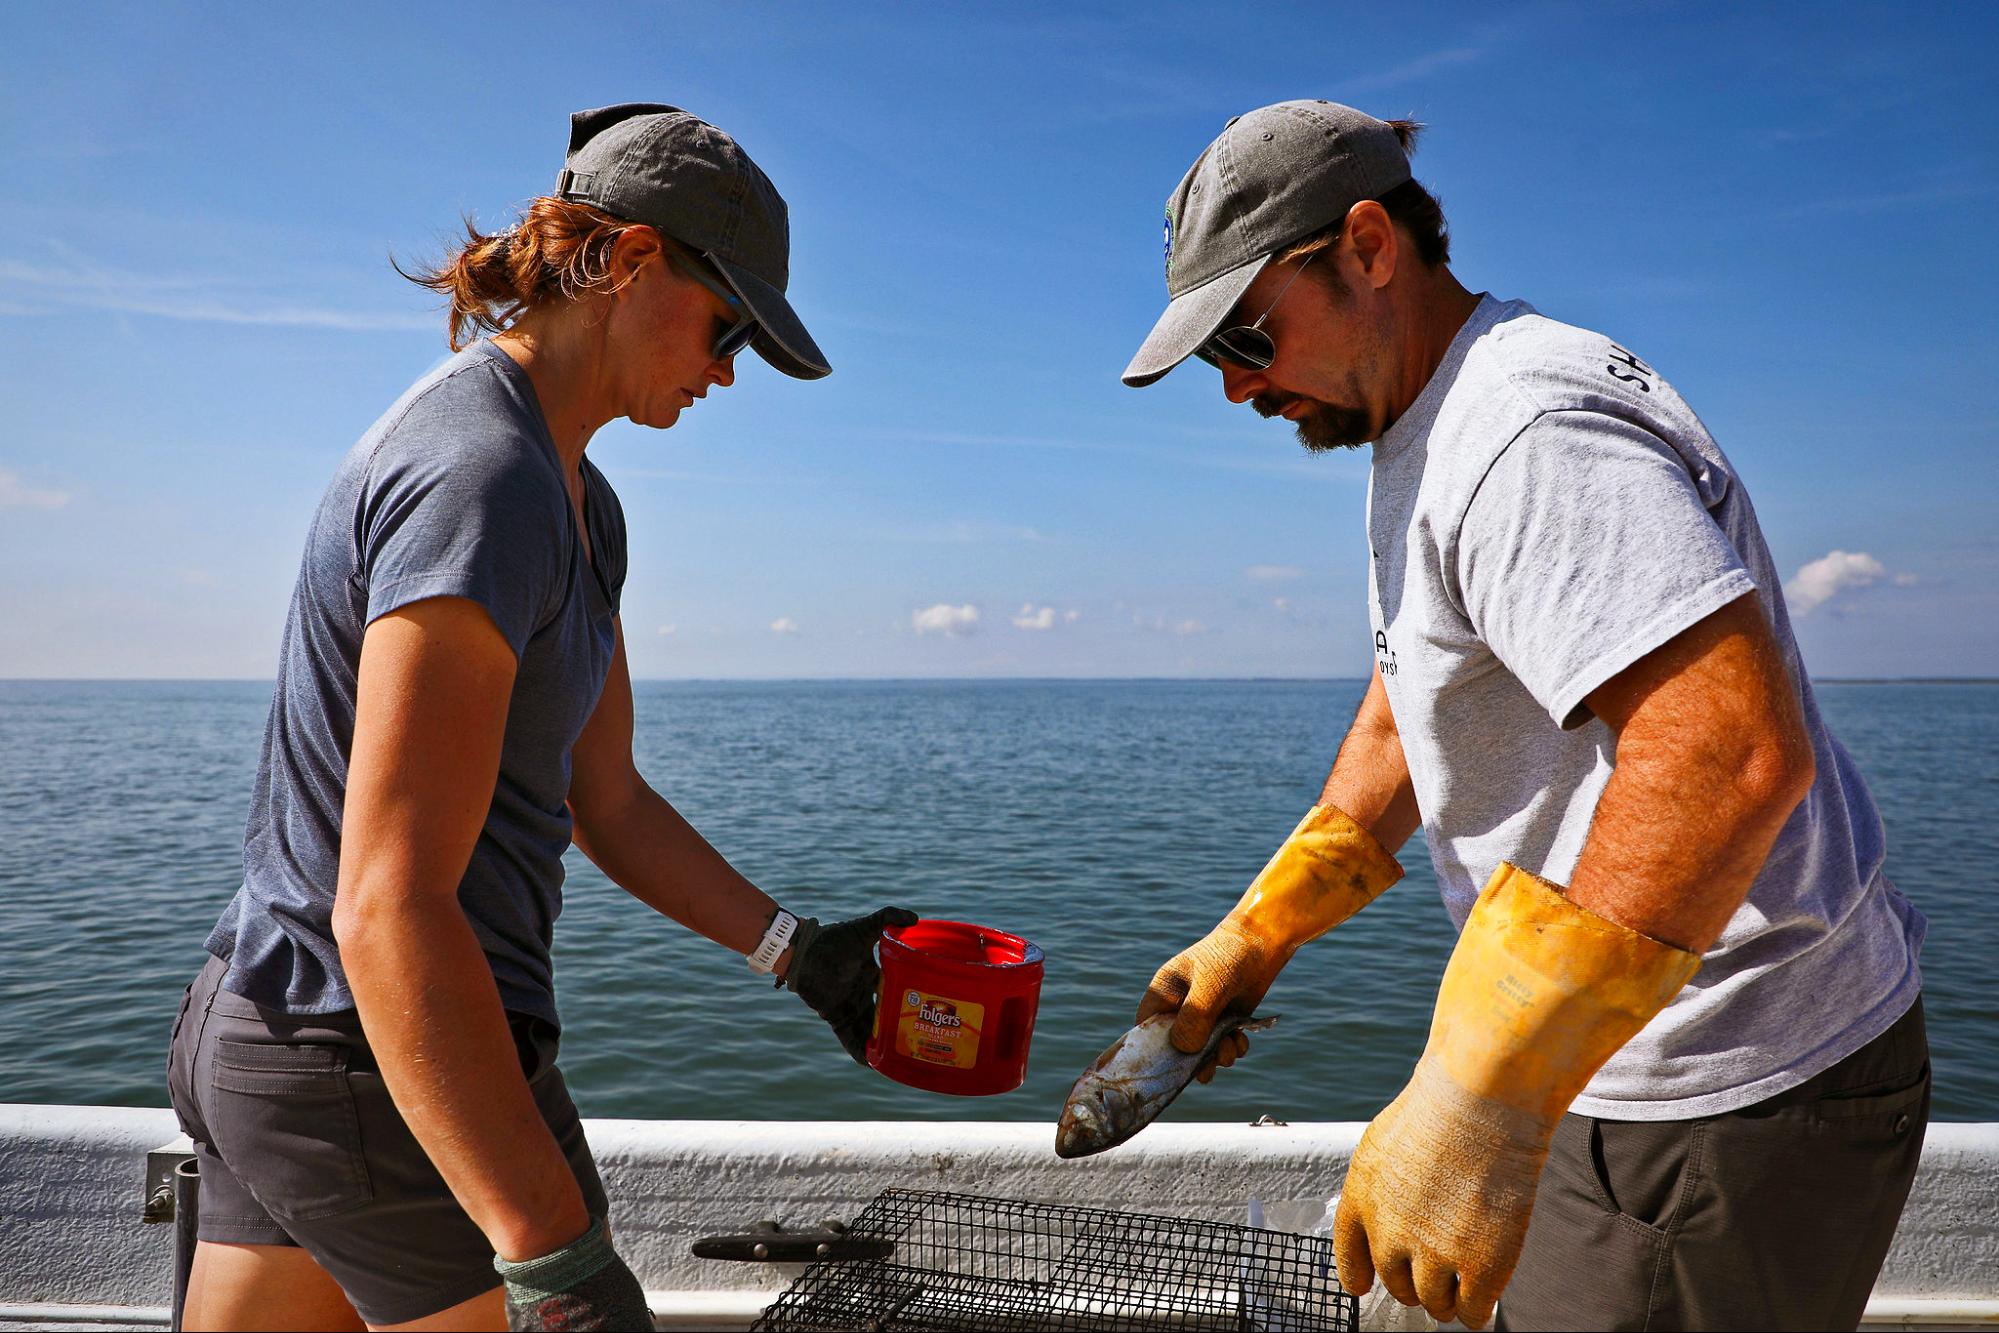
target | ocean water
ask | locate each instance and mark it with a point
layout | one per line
(1110, 822)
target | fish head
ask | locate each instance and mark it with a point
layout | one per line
(1099, 1114)
(1081, 1130)
(1102, 1117)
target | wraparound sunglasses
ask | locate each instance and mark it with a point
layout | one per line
(1247, 345)
(737, 336)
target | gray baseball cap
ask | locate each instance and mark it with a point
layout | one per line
(1273, 178)
(646, 162)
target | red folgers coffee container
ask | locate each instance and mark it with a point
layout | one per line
(957, 1007)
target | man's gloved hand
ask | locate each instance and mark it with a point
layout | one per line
(582, 1286)
(1328, 869)
(1439, 1194)
(1538, 994)
(1228, 969)
(833, 970)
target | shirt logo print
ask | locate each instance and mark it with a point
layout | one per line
(1384, 657)
(1639, 370)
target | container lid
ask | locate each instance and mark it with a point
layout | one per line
(964, 943)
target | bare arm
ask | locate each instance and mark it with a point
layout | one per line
(1712, 757)
(638, 839)
(430, 714)
(1370, 778)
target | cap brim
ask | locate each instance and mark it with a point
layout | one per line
(1191, 319)
(780, 338)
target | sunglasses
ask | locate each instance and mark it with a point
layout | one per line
(737, 336)
(1247, 345)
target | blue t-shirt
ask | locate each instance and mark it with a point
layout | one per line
(456, 492)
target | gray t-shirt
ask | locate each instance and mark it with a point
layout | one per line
(456, 492)
(1546, 513)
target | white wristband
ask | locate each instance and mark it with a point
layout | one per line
(782, 927)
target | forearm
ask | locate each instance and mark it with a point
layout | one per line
(648, 849)
(1683, 827)
(1370, 778)
(1712, 757)
(432, 1015)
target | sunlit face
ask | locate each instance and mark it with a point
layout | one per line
(661, 329)
(1329, 378)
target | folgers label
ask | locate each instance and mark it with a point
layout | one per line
(957, 1007)
(938, 1030)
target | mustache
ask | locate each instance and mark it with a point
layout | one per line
(1270, 404)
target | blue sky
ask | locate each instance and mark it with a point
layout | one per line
(1788, 211)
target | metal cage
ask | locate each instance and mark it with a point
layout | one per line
(961, 1262)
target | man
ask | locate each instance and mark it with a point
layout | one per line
(1681, 1033)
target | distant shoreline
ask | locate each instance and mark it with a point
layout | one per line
(1905, 680)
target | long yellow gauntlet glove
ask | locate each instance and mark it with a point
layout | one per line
(1328, 869)
(1538, 994)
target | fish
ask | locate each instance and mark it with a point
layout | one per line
(1133, 1081)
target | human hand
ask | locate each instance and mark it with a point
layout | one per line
(1328, 869)
(1438, 1196)
(582, 1286)
(1229, 970)
(833, 969)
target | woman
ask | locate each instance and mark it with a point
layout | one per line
(366, 1065)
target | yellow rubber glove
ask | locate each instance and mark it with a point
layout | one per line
(1538, 994)
(1328, 869)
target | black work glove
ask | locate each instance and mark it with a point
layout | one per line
(833, 969)
(582, 1286)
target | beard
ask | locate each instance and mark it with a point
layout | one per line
(1323, 427)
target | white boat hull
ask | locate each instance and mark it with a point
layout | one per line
(74, 1254)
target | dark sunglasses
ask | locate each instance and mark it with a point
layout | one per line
(737, 336)
(1247, 345)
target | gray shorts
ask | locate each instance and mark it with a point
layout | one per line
(299, 1144)
(1776, 1216)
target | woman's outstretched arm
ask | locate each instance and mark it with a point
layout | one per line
(636, 837)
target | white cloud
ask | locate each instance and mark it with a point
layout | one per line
(784, 625)
(1926, 197)
(1043, 617)
(1273, 573)
(1905, 580)
(1822, 579)
(1412, 71)
(667, 631)
(1283, 604)
(16, 494)
(1031, 617)
(188, 298)
(1161, 625)
(944, 618)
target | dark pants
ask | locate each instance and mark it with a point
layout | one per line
(1776, 1216)
(300, 1144)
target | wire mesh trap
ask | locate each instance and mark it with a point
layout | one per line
(962, 1262)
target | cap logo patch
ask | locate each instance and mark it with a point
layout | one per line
(1169, 244)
